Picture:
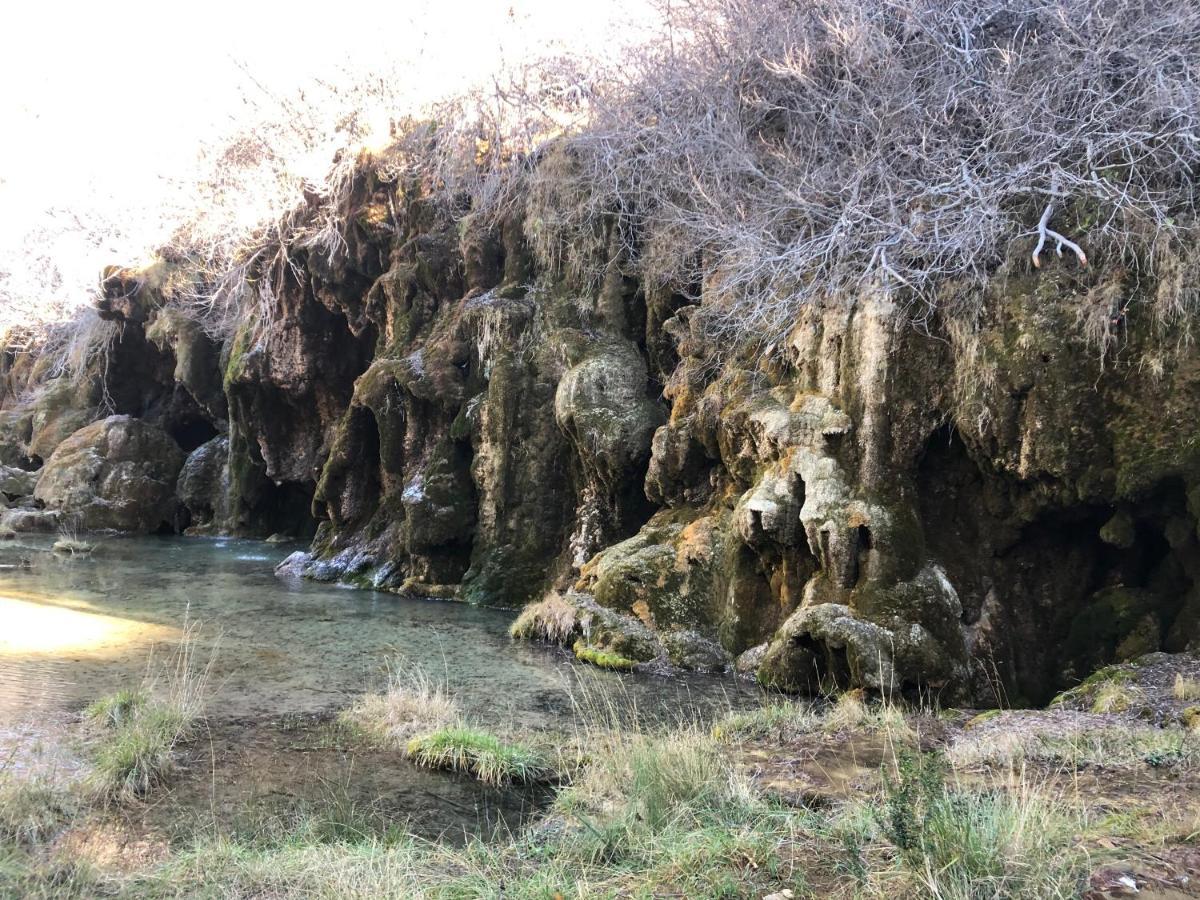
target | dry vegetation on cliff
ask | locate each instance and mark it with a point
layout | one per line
(768, 155)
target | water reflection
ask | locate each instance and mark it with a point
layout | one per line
(40, 627)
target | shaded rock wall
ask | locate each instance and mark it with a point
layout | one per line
(989, 503)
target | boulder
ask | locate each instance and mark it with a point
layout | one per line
(119, 473)
(17, 482)
(24, 520)
(202, 485)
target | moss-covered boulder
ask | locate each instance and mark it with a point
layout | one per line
(118, 473)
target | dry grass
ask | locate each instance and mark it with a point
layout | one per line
(1096, 746)
(32, 807)
(1116, 696)
(1185, 689)
(551, 619)
(852, 712)
(783, 720)
(413, 703)
(779, 720)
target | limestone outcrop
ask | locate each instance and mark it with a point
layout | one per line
(1007, 497)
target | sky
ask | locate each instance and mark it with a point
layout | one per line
(102, 104)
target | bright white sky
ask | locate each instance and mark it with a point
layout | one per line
(99, 102)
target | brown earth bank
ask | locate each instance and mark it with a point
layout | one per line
(979, 508)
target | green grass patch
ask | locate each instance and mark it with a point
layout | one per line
(131, 759)
(968, 844)
(115, 710)
(780, 720)
(460, 748)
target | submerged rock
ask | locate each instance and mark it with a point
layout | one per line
(72, 547)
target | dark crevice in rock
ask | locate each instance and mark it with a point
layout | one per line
(191, 431)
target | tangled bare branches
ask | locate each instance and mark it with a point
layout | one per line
(783, 152)
(763, 155)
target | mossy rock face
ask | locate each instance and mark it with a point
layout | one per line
(694, 652)
(683, 575)
(61, 410)
(17, 482)
(865, 503)
(665, 575)
(16, 429)
(828, 645)
(610, 632)
(197, 358)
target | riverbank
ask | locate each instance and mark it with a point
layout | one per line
(1095, 797)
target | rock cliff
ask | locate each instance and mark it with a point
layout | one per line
(971, 504)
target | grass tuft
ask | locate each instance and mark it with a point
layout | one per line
(551, 619)
(1115, 696)
(1185, 688)
(461, 748)
(115, 710)
(958, 843)
(32, 809)
(139, 729)
(852, 712)
(781, 720)
(136, 756)
(413, 703)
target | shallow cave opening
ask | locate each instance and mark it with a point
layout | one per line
(286, 508)
(863, 546)
(817, 667)
(360, 470)
(191, 432)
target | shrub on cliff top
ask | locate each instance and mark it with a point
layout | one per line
(762, 155)
(785, 152)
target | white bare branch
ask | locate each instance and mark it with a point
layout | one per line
(1045, 231)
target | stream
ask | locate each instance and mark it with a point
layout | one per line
(285, 655)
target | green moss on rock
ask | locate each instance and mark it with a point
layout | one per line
(602, 659)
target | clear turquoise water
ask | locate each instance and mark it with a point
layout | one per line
(73, 629)
(286, 654)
